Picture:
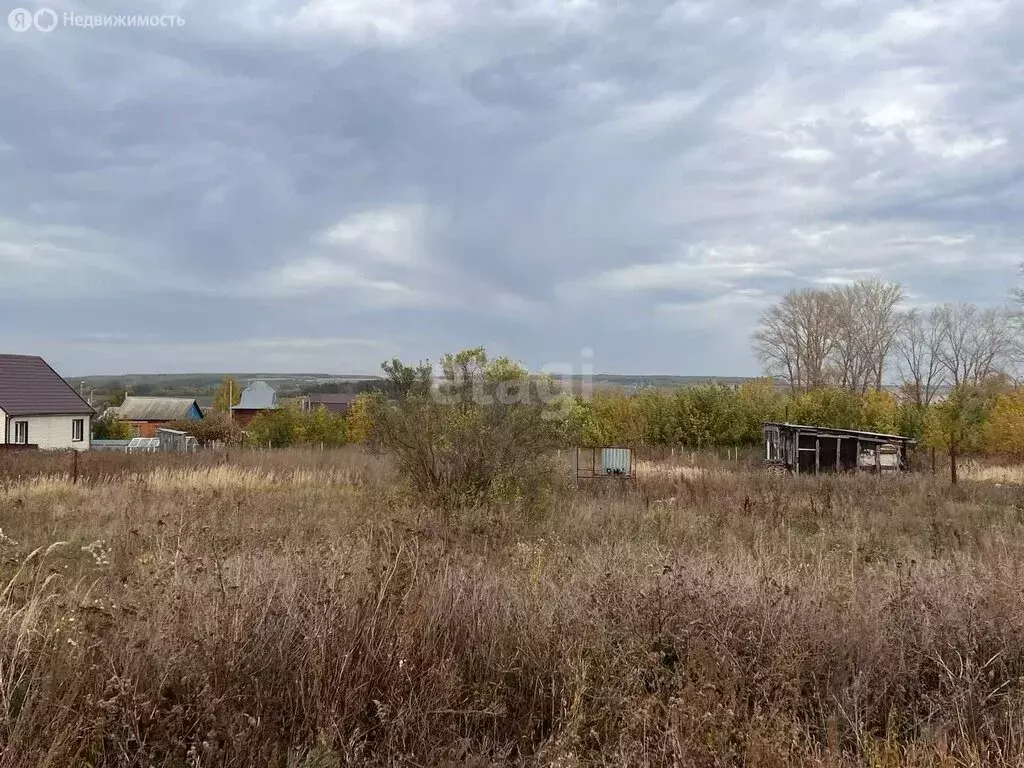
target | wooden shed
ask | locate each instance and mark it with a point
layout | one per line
(804, 449)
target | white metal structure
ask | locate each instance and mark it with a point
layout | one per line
(617, 461)
(143, 445)
(604, 462)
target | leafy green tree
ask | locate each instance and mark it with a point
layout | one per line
(116, 398)
(108, 428)
(278, 428)
(616, 419)
(575, 419)
(957, 424)
(879, 411)
(359, 419)
(709, 415)
(658, 417)
(322, 427)
(828, 407)
(1004, 430)
(759, 401)
(910, 420)
(405, 380)
(504, 369)
(288, 426)
(216, 428)
(463, 366)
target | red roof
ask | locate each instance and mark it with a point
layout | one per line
(30, 387)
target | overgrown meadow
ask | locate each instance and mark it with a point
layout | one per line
(294, 608)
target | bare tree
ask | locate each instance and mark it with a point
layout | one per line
(851, 366)
(775, 343)
(796, 338)
(919, 347)
(975, 343)
(842, 336)
(1017, 294)
(881, 323)
(1015, 316)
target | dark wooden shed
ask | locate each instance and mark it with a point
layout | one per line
(804, 449)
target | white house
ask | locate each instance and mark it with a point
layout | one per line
(37, 407)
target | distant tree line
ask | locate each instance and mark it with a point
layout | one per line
(853, 336)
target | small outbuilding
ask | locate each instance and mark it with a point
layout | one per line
(176, 441)
(803, 449)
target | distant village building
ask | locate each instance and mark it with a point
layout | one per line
(147, 414)
(256, 398)
(339, 403)
(38, 408)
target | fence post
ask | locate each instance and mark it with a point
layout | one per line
(74, 467)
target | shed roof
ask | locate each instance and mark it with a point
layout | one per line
(879, 436)
(30, 387)
(136, 408)
(258, 396)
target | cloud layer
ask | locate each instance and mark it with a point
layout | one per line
(318, 186)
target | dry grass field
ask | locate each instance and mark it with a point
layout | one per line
(292, 609)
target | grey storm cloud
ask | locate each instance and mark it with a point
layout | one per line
(323, 185)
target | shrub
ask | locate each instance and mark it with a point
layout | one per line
(278, 428)
(215, 428)
(108, 428)
(484, 435)
(322, 427)
(287, 426)
(359, 423)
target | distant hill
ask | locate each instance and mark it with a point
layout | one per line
(213, 379)
(204, 385)
(659, 381)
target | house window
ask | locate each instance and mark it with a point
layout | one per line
(21, 432)
(78, 430)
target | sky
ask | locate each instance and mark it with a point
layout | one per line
(289, 186)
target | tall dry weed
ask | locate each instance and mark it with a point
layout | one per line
(288, 609)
